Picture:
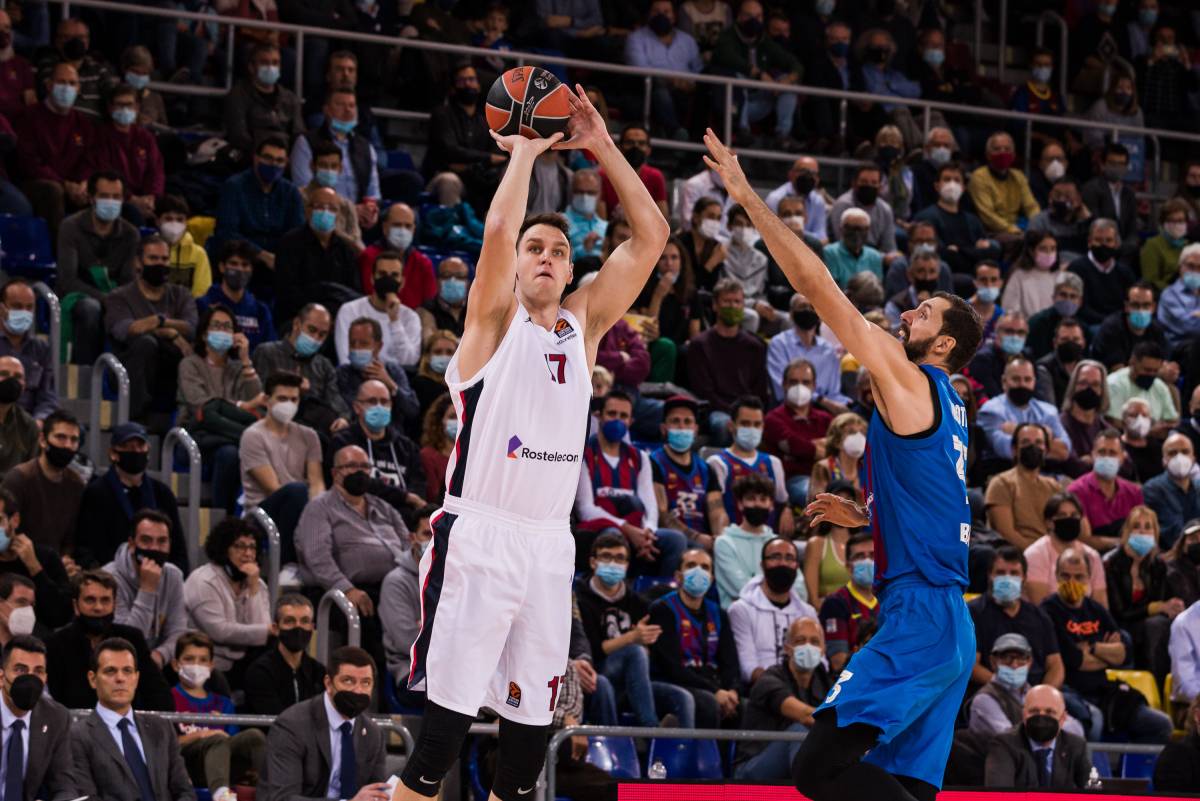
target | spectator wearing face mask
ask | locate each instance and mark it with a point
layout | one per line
(1106, 497)
(1124, 330)
(864, 194)
(430, 381)
(795, 429)
(399, 325)
(369, 362)
(1016, 498)
(396, 473)
(1065, 527)
(635, 144)
(743, 456)
(802, 342)
(737, 552)
(189, 265)
(314, 263)
(686, 488)
(769, 603)
(1183, 567)
(989, 364)
(1161, 254)
(1109, 197)
(1001, 415)
(1066, 300)
(1141, 380)
(17, 306)
(322, 407)
(1106, 278)
(47, 489)
(356, 175)
(398, 225)
(1037, 96)
(1052, 165)
(851, 254)
(958, 230)
(285, 675)
(748, 265)
(258, 106)
(1031, 283)
(586, 226)
(1040, 752)
(17, 615)
(1179, 306)
(922, 280)
(705, 241)
(1001, 193)
(845, 444)
(1066, 217)
(324, 172)
(853, 605)
(996, 708)
(1054, 371)
(1173, 495)
(131, 151)
(446, 310)
(235, 268)
(1145, 452)
(804, 182)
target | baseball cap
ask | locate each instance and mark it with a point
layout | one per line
(676, 401)
(127, 431)
(1011, 642)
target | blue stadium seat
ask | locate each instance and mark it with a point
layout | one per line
(27, 249)
(643, 583)
(1138, 766)
(398, 160)
(1102, 765)
(687, 759)
(616, 756)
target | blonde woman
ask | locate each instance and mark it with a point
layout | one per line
(845, 443)
(430, 380)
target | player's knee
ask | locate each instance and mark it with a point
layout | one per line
(442, 734)
(522, 754)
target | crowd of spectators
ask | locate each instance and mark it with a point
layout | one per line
(293, 299)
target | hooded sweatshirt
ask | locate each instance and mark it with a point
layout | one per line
(189, 266)
(400, 611)
(161, 615)
(760, 627)
(737, 557)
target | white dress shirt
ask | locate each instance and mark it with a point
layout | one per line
(7, 718)
(111, 719)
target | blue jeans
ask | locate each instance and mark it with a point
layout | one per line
(672, 699)
(667, 699)
(226, 477)
(1147, 725)
(773, 763)
(760, 102)
(628, 669)
(797, 487)
(601, 709)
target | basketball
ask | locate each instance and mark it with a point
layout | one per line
(529, 101)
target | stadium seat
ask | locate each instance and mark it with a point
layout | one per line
(1142, 681)
(1102, 765)
(616, 756)
(1138, 766)
(687, 759)
(643, 583)
(25, 242)
(1173, 707)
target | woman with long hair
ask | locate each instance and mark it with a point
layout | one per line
(845, 443)
(430, 380)
(438, 433)
(1030, 286)
(1183, 565)
(666, 302)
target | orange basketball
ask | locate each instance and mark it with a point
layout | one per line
(529, 101)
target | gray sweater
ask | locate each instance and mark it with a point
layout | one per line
(200, 382)
(80, 247)
(159, 615)
(233, 621)
(400, 611)
(126, 304)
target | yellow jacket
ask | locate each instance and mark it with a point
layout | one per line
(189, 266)
(1000, 202)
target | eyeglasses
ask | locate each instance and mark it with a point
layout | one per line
(248, 547)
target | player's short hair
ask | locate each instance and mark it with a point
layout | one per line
(21, 642)
(552, 219)
(349, 655)
(101, 577)
(1016, 434)
(857, 539)
(1058, 499)
(291, 599)
(9, 581)
(745, 402)
(753, 484)
(112, 644)
(609, 540)
(616, 394)
(369, 322)
(194, 639)
(282, 378)
(1147, 350)
(1008, 553)
(960, 320)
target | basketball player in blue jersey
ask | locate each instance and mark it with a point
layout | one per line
(885, 729)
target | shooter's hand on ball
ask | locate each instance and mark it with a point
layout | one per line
(829, 508)
(586, 125)
(515, 142)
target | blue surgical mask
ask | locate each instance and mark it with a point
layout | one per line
(1191, 281)
(1042, 74)
(399, 238)
(377, 418)
(219, 341)
(935, 58)
(696, 581)
(342, 126)
(1140, 318)
(862, 572)
(1106, 467)
(1141, 544)
(323, 220)
(19, 321)
(614, 430)
(268, 173)
(824, 7)
(107, 208)
(988, 294)
(267, 75)
(327, 178)
(4, 540)
(806, 657)
(439, 362)
(610, 573)
(63, 95)
(1148, 16)
(748, 438)
(1066, 308)
(1012, 344)
(1012, 677)
(360, 358)
(452, 290)
(584, 204)
(124, 116)
(137, 80)
(306, 346)
(680, 439)
(451, 428)
(1006, 589)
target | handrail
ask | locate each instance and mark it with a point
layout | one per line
(1056, 18)
(195, 466)
(347, 608)
(264, 521)
(47, 294)
(1002, 47)
(104, 363)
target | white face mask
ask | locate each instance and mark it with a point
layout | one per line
(855, 445)
(1180, 465)
(795, 222)
(746, 236)
(21, 620)
(284, 411)
(1055, 170)
(1138, 426)
(172, 231)
(710, 228)
(1178, 230)
(951, 191)
(799, 395)
(194, 675)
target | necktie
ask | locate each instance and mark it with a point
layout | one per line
(348, 773)
(14, 768)
(1043, 761)
(133, 758)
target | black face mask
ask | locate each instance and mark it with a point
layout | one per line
(751, 27)
(154, 274)
(295, 639)
(1088, 399)
(635, 156)
(386, 285)
(1068, 352)
(350, 704)
(1103, 253)
(1060, 208)
(25, 691)
(1041, 728)
(866, 195)
(1144, 381)
(755, 515)
(779, 578)
(878, 55)
(467, 97)
(804, 184)
(1031, 457)
(925, 285)
(74, 49)
(806, 319)
(133, 462)
(888, 154)
(356, 483)
(234, 573)
(1020, 396)
(661, 24)
(59, 457)
(157, 557)
(1193, 553)
(1067, 528)
(10, 390)
(1194, 191)
(236, 279)
(96, 626)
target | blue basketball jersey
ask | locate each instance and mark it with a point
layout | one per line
(917, 496)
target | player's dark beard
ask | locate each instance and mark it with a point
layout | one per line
(915, 351)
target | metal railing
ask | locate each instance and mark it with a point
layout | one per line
(271, 532)
(720, 83)
(191, 526)
(105, 364)
(348, 610)
(47, 294)
(1057, 19)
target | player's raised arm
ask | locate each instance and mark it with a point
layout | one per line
(625, 272)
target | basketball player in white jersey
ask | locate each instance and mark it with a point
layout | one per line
(496, 581)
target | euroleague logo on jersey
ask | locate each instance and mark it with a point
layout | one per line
(517, 450)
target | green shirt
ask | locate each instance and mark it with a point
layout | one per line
(1160, 261)
(732, 53)
(842, 263)
(1121, 388)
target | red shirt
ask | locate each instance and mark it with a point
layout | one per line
(841, 615)
(16, 76)
(133, 155)
(782, 426)
(55, 147)
(420, 279)
(653, 179)
(434, 462)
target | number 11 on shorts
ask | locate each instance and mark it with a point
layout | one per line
(554, 684)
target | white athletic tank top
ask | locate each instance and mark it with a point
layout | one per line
(522, 421)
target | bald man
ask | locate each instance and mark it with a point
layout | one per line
(313, 263)
(1038, 754)
(783, 699)
(18, 430)
(804, 181)
(399, 227)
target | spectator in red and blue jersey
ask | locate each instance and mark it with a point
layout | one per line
(685, 487)
(846, 609)
(744, 457)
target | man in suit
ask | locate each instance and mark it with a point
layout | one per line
(121, 756)
(326, 747)
(1038, 753)
(1107, 195)
(35, 755)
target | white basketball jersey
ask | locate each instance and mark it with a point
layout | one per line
(522, 421)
